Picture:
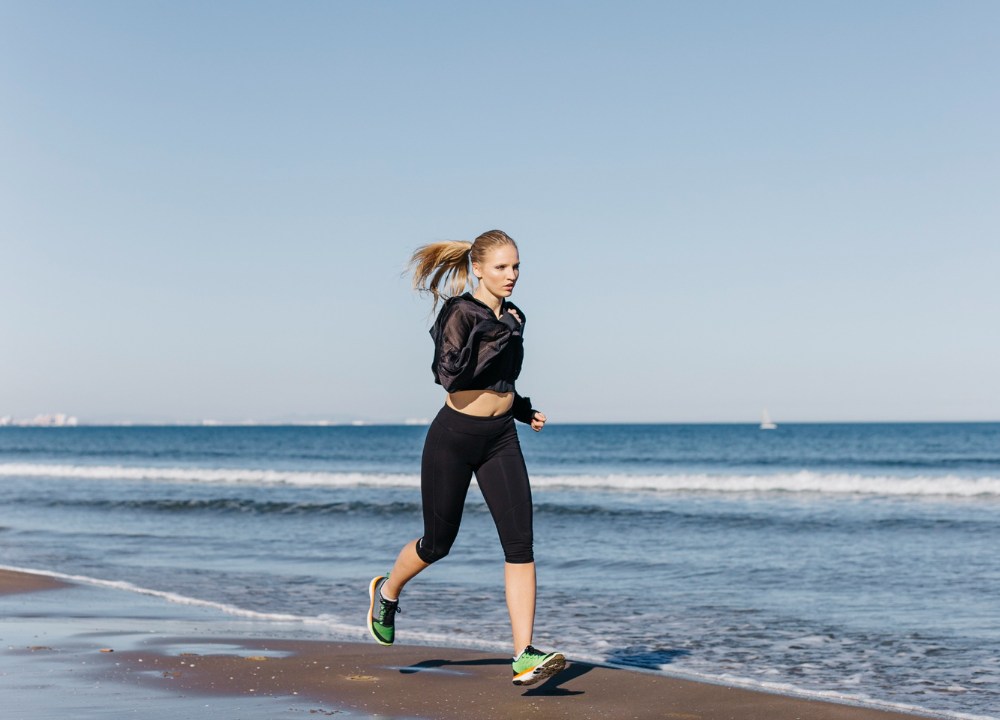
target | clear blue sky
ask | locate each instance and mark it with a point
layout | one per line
(206, 207)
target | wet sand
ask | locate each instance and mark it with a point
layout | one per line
(17, 582)
(203, 675)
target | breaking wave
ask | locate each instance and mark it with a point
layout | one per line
(806, 481)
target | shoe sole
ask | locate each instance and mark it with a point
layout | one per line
(547, 669)
(371, 609)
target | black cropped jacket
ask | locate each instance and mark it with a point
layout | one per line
(473, 350)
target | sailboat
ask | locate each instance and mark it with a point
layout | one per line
(765, 421)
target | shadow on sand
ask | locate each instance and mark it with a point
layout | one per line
(551, 687)
(629, 657)
(432, 665)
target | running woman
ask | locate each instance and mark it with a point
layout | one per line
(477, 357)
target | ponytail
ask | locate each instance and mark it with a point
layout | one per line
(447, 263)
(441, 262)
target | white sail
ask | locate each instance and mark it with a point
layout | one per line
(765, 421)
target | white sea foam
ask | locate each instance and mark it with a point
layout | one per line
(220, 476)
(798, 482)
(324, 621)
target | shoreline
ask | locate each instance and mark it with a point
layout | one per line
(357, 680)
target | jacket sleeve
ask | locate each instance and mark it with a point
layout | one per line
(466, 345)
(523, 412)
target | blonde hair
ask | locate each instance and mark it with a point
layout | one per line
(447, 263)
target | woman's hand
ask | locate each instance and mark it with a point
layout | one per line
(538, 421)
(513, 313)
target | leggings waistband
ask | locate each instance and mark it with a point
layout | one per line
(474, 424)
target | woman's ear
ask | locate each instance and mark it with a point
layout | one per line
(477, 271)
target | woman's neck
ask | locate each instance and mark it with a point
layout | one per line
(489, 299)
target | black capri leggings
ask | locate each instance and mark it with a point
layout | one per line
(457, 446)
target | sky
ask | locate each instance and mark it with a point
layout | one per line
(206, 209)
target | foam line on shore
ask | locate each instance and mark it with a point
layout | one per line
(339, 630)
(321, 621)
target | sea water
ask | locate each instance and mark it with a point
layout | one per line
(856, 562)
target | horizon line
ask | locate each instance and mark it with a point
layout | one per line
(421, 422)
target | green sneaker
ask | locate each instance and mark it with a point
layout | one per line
(381, 612)
(533, 665)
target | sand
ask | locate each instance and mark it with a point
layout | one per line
(207, 675)
(16, 582)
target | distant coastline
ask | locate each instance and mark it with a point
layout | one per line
(60, 420)
(64, 421)
(53, 420)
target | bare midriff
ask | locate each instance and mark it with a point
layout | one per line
(481, 403)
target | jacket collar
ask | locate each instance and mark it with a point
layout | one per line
(469, 296)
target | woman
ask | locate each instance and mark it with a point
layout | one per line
(477, 358)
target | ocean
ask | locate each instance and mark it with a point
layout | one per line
(852, 562)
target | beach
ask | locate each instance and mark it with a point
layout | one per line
(756, 245)
(93, 665)
(852, 565)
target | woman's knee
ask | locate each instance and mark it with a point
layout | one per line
(432, 552)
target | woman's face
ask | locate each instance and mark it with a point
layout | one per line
(498, 272)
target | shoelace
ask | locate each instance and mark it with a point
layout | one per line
(388, 609)
(531, 653)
